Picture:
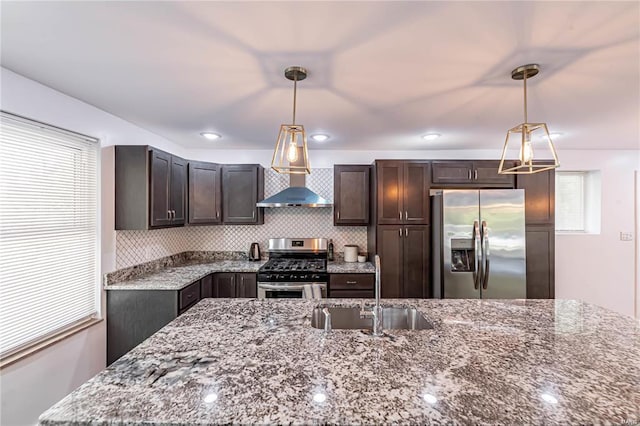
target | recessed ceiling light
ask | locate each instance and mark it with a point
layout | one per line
(210, 135)
(555, 135)
(431, 136)
(320, 137)
(429, 398)
(549, 398)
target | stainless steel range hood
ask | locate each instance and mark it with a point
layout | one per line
(297, 195)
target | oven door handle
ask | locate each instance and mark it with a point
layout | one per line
(287, 287)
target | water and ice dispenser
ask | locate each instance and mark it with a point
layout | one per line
(463, 254)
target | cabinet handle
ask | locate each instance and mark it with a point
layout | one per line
(406, 215)
(475, 174)
(338, 213)
(352, 282)
(169, 214)
(174, 213)
(400, 215)
(218, 214)
(406, 232)
(469, 174)
(253, 214)
(400, 231)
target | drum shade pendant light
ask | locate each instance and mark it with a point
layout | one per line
(536, 152)
(290, 155)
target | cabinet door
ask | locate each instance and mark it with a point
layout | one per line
(539, 197)
(390, 250)
(389, 190)
(351, 195)
(416, 193)
(178, 185)
(206, 286)
(486, 172)
(242, 188)
(416, 261)
(540, 262)
(204, 193)
(448, 172)
(160, 170)
(224, 285)
(247, 285)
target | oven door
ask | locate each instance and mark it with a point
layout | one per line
(284, 290)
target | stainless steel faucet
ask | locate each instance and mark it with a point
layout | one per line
(375, 312)
(327, 320)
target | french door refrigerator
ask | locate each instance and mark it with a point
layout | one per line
(478, 244)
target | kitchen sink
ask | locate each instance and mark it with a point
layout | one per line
(393, 318)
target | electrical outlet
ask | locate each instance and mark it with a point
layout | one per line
(626, 236)
(148, 253)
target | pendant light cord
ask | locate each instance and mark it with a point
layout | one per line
(525, 96)
(295, 89)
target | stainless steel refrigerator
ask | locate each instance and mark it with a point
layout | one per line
(478, 244)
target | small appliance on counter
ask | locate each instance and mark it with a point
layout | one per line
(350, 253)
(254, 252)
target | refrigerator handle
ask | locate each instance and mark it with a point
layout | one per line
(476, 246)
(485, 254)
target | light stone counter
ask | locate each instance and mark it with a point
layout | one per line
(485, 362)
(342, 267)
(178, 277)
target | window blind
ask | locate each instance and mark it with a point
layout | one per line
(570, 201)
(48, 232)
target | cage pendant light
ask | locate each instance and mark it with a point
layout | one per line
(536, 152)
(290, 155)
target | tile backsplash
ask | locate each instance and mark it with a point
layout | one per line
(135, 247)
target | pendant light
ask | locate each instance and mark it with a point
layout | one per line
(290, 155)
(530, 139)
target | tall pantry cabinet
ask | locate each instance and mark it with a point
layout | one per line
(400, 231)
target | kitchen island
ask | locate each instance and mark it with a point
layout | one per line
(261, 361)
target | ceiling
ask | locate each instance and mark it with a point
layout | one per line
(381, 74)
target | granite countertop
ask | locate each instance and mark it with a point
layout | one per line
(484, 362)
(178, 277)
(342, 267)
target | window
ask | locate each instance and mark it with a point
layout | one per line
(48, 233)
(578, 202)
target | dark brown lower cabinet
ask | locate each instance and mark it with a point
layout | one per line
(540, 261)
(229, 284)
(134, 315)
(206, 286)
(351, 285)
(404, 260)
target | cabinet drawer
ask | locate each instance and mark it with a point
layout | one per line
(351, 282)
(346, 294)
(189, 295)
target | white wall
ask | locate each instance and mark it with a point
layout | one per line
(600, 268)
(32, 385)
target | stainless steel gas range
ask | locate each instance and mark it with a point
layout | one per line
(295, 265)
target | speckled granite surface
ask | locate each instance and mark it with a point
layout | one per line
(342, 267)
(178, 277)
(485, 362)
(181, 259)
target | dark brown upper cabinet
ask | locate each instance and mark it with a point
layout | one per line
(539, 197)
(469, 174)
(351, 194)
(402, 192)
(204, 193)
(242, 188)
(150, 188)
